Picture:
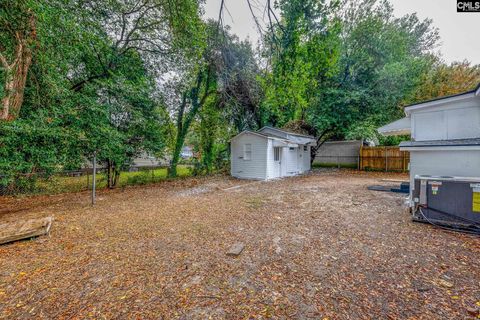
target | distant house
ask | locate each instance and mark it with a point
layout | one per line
(147, 160)
(445, 136)
(187, 152)
(270, 153)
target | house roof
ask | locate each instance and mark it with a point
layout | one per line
(468, 94)
(441, 143)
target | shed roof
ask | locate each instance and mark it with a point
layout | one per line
(282, 136)
(396, 128)
(278, 141)
(285, 132)
(291, 136)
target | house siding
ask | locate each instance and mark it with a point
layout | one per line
(456, 121)
(465, 163)
(445, 121)
(256, 168)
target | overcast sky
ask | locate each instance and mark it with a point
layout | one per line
(458, 31)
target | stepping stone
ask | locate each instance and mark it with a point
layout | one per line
(236, 249)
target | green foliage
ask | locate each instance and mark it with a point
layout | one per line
(121, 78)
(443, 80)
(382, 61)
(223, 99)
(304, 53)
(92, 86)
(345, 70)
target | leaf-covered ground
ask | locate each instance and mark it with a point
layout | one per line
(317, 246)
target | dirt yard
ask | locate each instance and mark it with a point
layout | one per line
(318, 246)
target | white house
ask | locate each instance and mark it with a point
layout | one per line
(445, 136)
(270, 153)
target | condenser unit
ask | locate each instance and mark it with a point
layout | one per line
(447, 201)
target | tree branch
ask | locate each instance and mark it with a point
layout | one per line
(4, 61)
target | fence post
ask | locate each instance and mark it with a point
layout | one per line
(386, 159)
(360, 158)
(94, 177)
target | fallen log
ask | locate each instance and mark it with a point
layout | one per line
(19, 230)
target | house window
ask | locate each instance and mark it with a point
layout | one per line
(247, 151)
(305, 148)
(276, 154)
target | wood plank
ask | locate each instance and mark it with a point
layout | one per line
(26, 229)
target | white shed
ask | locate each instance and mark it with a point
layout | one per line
(269, 153)
(445, 136)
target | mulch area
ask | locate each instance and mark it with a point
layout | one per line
(316, 246)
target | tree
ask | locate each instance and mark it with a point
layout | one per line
(230, 98)
(303, 51)
(192, 101)
(443, 80)
(96, 90)
(382, 61)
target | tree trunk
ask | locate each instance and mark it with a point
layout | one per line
(116, 176)
(320, 141)
(16, 72)
(184, 120)
(109, 173)
(113, 174)
(180, 140)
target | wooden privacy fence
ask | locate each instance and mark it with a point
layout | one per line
(383, 159)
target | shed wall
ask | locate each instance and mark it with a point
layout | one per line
(255, 168)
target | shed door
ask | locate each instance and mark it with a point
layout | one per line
(277, 161)
(300, 158)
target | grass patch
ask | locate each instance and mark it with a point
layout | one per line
(254, 202)
(63, 184)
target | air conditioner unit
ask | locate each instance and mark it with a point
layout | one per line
(447, 201)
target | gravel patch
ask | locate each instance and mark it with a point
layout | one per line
(316, 246)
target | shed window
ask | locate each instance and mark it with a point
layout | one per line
(305, 148)
(247, 151)
(276, 154)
